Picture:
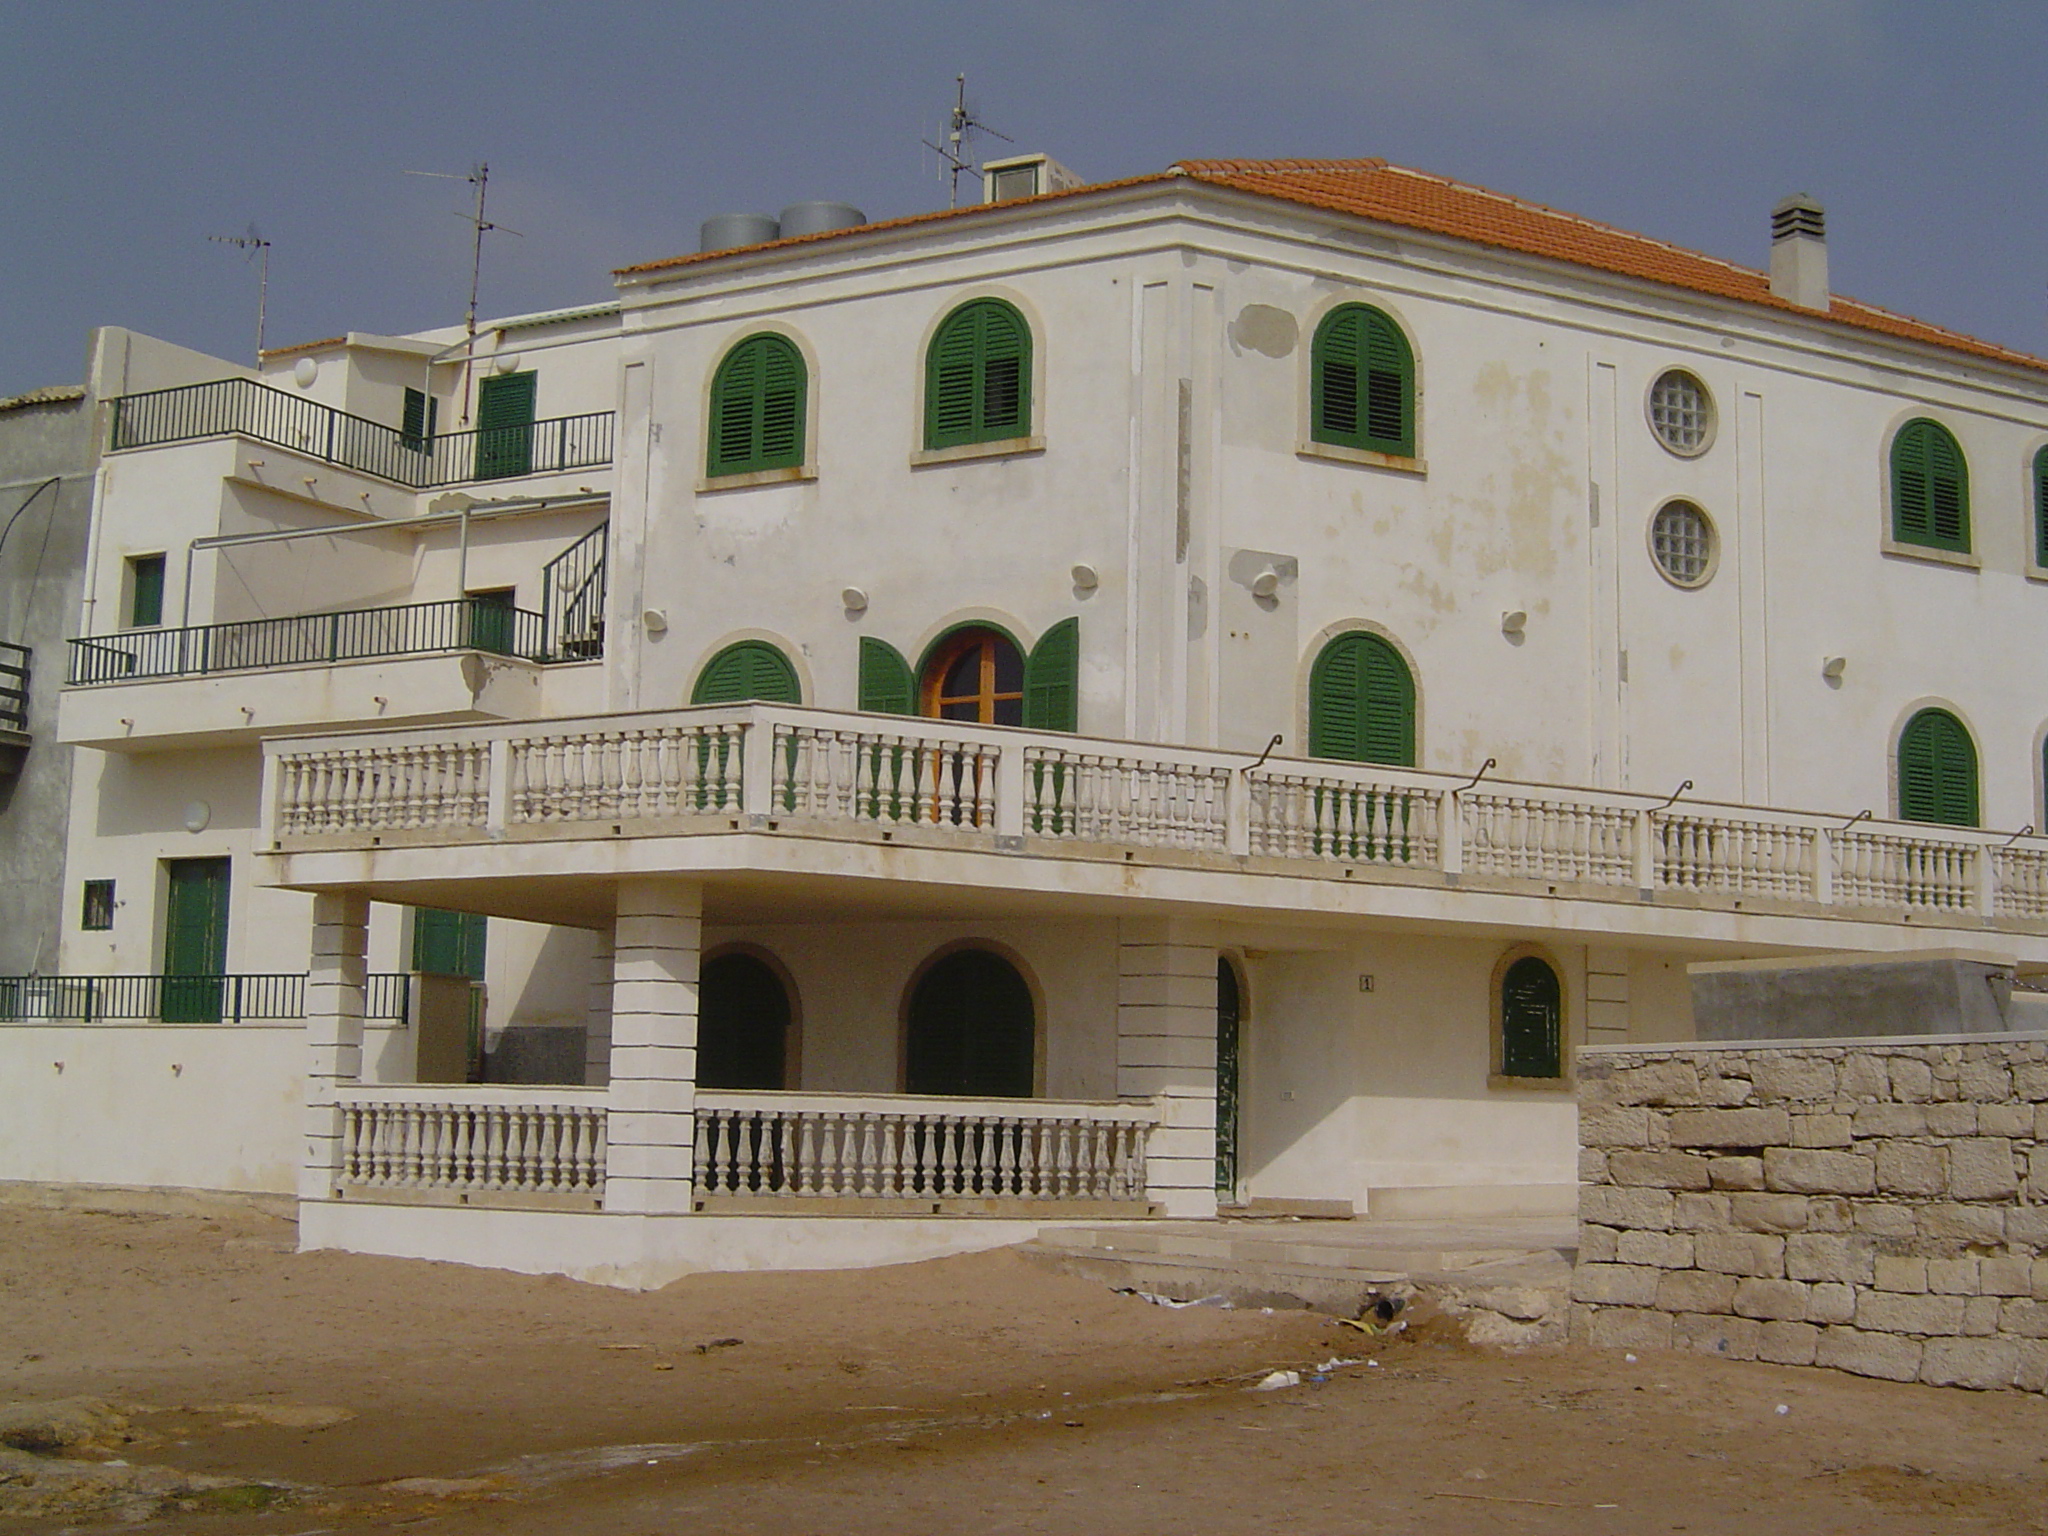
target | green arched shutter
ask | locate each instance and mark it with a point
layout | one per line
(1937, 770)
(2041, 508)
(758, 407)
(1531, 1020)
(978, 376)
(1930, 487)
(1362, 703)
(1362, 386)
(886, 686)
(1052, 679)
(750, 669)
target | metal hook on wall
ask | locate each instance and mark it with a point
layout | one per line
(1490, 763)
(1277, 738)
(2026, 831)
(1859, 816)
(1672, 799)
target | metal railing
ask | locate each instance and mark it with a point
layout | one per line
(14, 665)
(223, 999)
(572, 598)
(256, 411)
(311, 639)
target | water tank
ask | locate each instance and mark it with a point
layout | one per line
(724, 231)
(816, 218)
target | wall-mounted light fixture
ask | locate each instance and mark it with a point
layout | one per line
(853, 600)
(506, 362)
(1085, 578)
(654, 621)
(304, 372)
(1514, 624)
(1832, 668)
(1266, 583)
(197, 815)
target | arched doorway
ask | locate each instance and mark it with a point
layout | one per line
(976, 674)
(972, 1029)
(743, 1017)
(1229, 1019)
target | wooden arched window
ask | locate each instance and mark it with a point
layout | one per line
(758, 400)
(1361, 702)
(975, 674)
(1937, 770)
(1362, 384)
(1531, 1007)
(1930, 487)
(972, 1029)
(743, 1017)
(977, 376)
(749, 669)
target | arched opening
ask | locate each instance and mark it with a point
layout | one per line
(743, 1017)
(1937, 770)
(1531, 1019)
(748, 669)
(1229, 1023)
(976, 674)
(972, 1029)
(1361, 702)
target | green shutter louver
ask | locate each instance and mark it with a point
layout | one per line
(886, 686)
(978, 376)
(504, 425)
(2041, 508)
(416, 426)
(1930, 488)
(449, 943)
(1531, 1020)
(758, 403)
(1362, 703)
(146, 591)
(749, 669)
(1937, 771)
(1362, 384)
(1052, 679)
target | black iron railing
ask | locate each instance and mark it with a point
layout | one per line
(572, 599)
(421, 460)
(14, 660)
(311, 639)
(225, 999)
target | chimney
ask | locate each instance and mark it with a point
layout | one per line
(1799, 252)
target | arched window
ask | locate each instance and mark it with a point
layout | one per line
(1937, 770)
(749, 669)
(757, 408)
(977, 376)
(1531, 1006)
(972, 1029)
(1229, 1019)
(1930, 487)
(743, 1019)
(1362, 391)
(1361, 702)
(975, 674)
(2041, 508)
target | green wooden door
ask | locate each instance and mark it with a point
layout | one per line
(449, 943)
(504, 425)
(492, 621)
(1531, 1020)
(1362, 703)
(1229, 1014)
(1937, 770)
(195, 940)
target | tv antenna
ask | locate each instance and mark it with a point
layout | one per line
(480, 178)
(253, 242)
(956, 152)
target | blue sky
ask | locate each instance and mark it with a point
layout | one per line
(135, 130)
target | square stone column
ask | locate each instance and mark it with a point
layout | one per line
(1166, 1046)
(650, 1107)
(337, 978)
(597, 1017)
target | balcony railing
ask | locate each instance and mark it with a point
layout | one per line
(224, 999)
(820, 773)
(474, 1141)
(248, 409)
(312, 639)
(14, 665)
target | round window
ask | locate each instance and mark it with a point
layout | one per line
(1681, 413)
(1682, 543)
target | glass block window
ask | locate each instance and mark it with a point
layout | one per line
(1682, 543)
(1681, 413)
(98, 910)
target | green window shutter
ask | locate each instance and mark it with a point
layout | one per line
(758, 405)
(1362, 703)
(1531, 1020)
(416, 427)
(449, 943)
(886, 686)
(1930, 488)
(750, 669)
(1362, 383)
(1937, 771)
(1052, 679)
(2041, 508)
(146, 602)
(978, 376)
(504, 425)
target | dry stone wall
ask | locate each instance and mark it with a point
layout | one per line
(1879, 1207)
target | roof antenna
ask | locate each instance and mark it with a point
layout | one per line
(480, 178)
(252, 241)
(956, 152)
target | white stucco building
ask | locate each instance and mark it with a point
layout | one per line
(917, 705)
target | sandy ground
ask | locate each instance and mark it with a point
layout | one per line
(258, 1390)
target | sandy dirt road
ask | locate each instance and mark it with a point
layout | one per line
(261, 1390)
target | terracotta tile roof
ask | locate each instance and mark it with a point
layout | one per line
(51, 394)
(307, 346)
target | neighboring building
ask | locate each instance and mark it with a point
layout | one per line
(1205, 687)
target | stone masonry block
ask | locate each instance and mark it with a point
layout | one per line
(1788, 1343)
(2005, 1275)
(1615, 1125)
(1628, 1328)
(1730, 1127)
(1980, 1315)
(2032, 1375)
(1911, 1168)
(1912, 1083)
(1783, 1300)
(1831, 1302)
(1890, 1272)
(1700, 1213)
(1658, 1082)
(1952, 1277)
(2005, 1120)
(2040, 1291)
(1592, 1166)
(2030, 1081)
(1623, 1285)
(1801, 1170)
(1884, 1356)
(1965, 1223)
(1660, 1250)
(1985, 1082)
(1740, 1253)
(1821, 1131)
(1889, 1120)
(1982, 1364)
(1657, 1170)
(2037, 1171)
(1881, 1218)
(1597, 1245)
(1829, 1256)
(2026, 1319)
(2027, 1225)
(1862, 1077)
(1888, 1312)
(1732, 1338)
(1957, 1119)
(1736, 1172)
(1726, 1092)
(1768, 1212)
(1830, 1213)
(1793, 1079)
(1648, 1209)
(1695, 1290)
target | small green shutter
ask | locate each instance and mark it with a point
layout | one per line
(757, 408)
(1052, 679)
(886, 686)
(504, 425)
(1531, 1020)
(750, 669)
(1937, 771)
(195, 940)
(1362, 703)
(1930, 488)
(1362, 384)
(416, 428)
(146, 602)
(2041, 508)
(978, 376)
(449, 943)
